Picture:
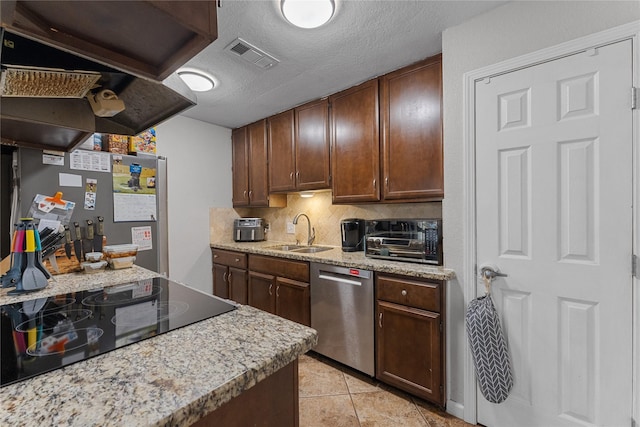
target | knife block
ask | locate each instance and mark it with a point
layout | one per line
(66, 265)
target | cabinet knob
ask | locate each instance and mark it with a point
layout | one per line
(271, 289)
(215, 256)
(380, 320)
(404, 293)
(229, 278)
(244, 194)
(374, 184)
(291, 176)
(224, 277)
(386, 182)
(278, 291)
(237, 259)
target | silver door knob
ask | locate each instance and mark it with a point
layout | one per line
(491, 272)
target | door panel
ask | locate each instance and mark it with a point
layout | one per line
(262, 291)
(292, 300)
(240, 162)
(258, 173)
(554, 198)
(282, 158)
(312, 145)
(220, 286)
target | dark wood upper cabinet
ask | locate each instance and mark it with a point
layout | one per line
(258, 174)
(240, 161)
(355, 149)
(250, 169)
(312, 145)
(150, 39)
(411, 127)
(299, 148)
(282, 154)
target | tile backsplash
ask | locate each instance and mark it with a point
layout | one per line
(325, 217)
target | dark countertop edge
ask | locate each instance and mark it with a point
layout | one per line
(329, 257)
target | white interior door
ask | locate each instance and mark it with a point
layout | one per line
(554, 213)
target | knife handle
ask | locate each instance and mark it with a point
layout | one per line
(101, 226)
(67, 234)
(76, 225)
(89, 229)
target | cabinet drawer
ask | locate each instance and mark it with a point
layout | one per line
(410, 292)
(230, 258)
(296, 270)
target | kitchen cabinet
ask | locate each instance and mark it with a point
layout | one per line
(281, 287)
(230, 275)
(299, 148)
(312, 145)
(411, 132)
(111, 33)
(250, 173)
(410, 335)
(273, 402)
(355, 150)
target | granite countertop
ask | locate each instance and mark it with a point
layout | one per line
(336, 256)
(172, 379)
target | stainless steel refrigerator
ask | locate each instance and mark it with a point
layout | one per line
(40, 174)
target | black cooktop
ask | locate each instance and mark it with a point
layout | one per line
(45, 334)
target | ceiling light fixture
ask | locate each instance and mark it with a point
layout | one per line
(307, 13)
(197, 81)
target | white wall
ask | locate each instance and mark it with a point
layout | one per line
(199, 175)
(512, 30)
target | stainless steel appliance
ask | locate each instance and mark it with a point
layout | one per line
(352, 232)
(342, 311)
(47, 333)
(248, 229)
(117, 201)
(414, 240)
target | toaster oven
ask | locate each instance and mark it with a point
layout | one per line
(413, 240)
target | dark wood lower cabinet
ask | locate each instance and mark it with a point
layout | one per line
(262, 291)
(230, 275)
(410, 335)
(273, 402)
(293, 300)
(280, 286)
(409, 350)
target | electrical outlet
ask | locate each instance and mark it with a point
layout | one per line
(291, 228)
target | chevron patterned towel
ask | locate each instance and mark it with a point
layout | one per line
(489, 349)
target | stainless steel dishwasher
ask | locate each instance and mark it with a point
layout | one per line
(342, 311)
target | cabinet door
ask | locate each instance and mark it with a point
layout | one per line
(237, 279)
(293, 300)
(262, 291)
(312, 145)
(355, 156)
(240, 160)
(220, 284)
(411, 123)
(409, 350)
(258, 174)
(282, 156)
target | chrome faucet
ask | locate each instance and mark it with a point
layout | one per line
(311, 235)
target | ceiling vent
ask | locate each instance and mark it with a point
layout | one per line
(251, 54)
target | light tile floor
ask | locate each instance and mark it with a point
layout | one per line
(334, 395)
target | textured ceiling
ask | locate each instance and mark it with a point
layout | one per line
(364, 39)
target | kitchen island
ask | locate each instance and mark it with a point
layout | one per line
(177, 378)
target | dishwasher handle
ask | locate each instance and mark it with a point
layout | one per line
(339, 279)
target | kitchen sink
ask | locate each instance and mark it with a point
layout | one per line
(312, 249)
(302, 249)
(286, 247)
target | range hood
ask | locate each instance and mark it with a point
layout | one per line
(45, 116)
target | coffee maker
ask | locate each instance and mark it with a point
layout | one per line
(352, 231)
